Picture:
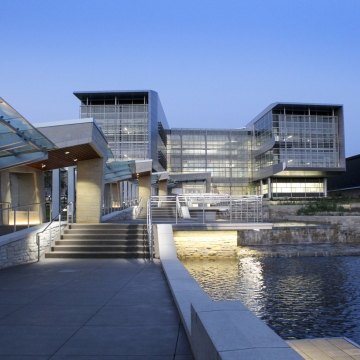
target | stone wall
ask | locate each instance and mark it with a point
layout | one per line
(21, 247)
(200, 244)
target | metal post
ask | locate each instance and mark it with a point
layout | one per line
(28, 213)
(230, 209)
(60, 224)
(14, 220)
(203, 206)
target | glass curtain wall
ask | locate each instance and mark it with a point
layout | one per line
(224, 153)
(124, 125)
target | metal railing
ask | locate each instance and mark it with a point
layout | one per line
(206, 208)
(69, 209)
(26, 215)
(125, 205)
(149, 230)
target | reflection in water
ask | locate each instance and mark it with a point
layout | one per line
(299, 297)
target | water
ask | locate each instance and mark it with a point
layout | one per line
(298, 297)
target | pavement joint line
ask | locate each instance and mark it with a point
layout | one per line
(84, 324)
(177, 339)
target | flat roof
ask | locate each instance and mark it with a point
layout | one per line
(104, 95)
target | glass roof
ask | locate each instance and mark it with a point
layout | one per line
(20, 142)
(119, 170)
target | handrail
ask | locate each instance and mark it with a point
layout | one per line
(149, 228)
(16, 208)
(37, 235)
(138, 208)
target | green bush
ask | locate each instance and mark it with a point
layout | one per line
(320, 206)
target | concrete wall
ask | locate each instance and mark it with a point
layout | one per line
(217, 330)
(89, 190)
(23, 185)
(290, 235)
(201, 244)
(21, 247)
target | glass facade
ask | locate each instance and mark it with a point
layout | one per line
(133, 123)
(286, 151)
(224, 153)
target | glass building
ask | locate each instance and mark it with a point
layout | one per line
(226, 154)
(133, 122)
(295, 148)
(288, 151)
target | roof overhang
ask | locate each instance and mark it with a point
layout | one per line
(76, 140)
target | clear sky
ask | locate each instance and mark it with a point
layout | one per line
(213, 63)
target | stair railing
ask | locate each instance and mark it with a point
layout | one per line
(69, 219)
(149, 229)
(138, 208)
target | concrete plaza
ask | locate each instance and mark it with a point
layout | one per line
(89, 309)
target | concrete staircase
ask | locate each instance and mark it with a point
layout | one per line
(165, 212)
(102, 241)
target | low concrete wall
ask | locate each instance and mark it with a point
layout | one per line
(199, 244)
(216, 330)
(290, 235)
(21, 247)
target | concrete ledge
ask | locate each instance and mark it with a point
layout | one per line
(216, 330)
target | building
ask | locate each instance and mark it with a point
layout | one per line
(133, 122)
(288, 151)
(295, 148)
(347, 184)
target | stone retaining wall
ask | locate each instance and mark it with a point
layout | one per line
(21, 247)
(200, 244)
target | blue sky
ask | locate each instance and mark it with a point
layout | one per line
(213, 63)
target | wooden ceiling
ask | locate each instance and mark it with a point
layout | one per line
(67, 156)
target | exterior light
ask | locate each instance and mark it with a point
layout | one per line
(67, 152)
(289, 137)
(43, 166)
(75, 160)
(290, 160)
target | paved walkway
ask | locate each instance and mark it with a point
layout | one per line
(67, 309)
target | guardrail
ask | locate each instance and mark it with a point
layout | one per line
(206, 208)
(126, 204)
(29, 214)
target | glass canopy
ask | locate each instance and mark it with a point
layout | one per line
(20, 142)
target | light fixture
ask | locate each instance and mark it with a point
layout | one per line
(290, 160)
(43, 165)
(75, 160)
(67, 152)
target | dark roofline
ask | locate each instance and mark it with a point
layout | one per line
(82, 95)
(295, 104)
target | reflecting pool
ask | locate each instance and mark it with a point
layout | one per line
(299, 297)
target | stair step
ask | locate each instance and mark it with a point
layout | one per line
(101, 241)
(105, 231)
(99, 248)
(89, 236)
(95, 255)
(81, 242)
(107, 226)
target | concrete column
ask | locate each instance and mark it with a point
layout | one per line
(115, 195)
(144, 188)
(55, 193)
(269, 188)
(107, 197)
(261, 188)
(325, 187)
(125, 186)
(71, 184)
(89, 190)
(163, 187)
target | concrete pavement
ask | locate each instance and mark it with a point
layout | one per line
(69, 309)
